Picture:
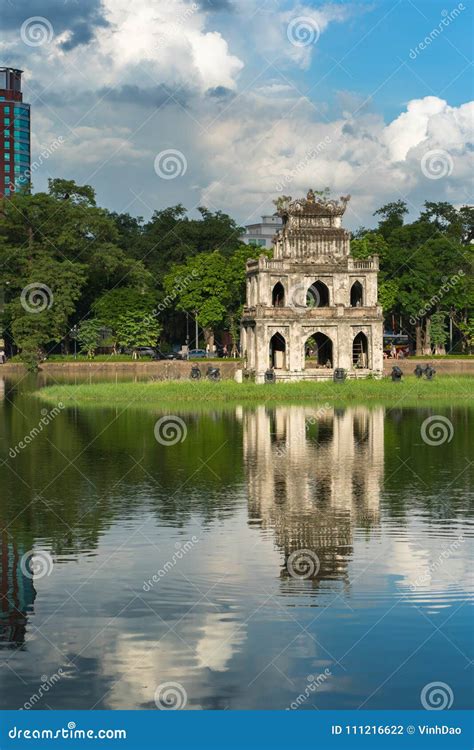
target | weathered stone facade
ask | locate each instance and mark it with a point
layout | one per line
(312, 307)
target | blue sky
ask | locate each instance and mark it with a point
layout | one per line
(364, 55)
(228, 104)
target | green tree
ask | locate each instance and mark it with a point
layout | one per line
(60, 235)
(206, 293)
(40, 312)
(67, 190)
(123, 310)
(90, 335)
(439, 332)
(171, 237)
(135, 329)
(421, 265)
(392, 216)
(212, 287)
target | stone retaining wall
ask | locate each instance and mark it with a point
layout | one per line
(161, 370)
(176, 370)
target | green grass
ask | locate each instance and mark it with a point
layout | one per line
(203, 394)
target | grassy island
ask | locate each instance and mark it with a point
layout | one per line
(448, 389)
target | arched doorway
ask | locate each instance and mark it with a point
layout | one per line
(317, 295)
(357, 294)
(318, 351)
(278, 295)
(360, 351)
(277, 352)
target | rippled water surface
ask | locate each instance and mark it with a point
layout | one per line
(271, 558)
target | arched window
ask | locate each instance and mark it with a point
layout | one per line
(360, 349)
(318, 351)
(278, 295)
(317, 295)
(357, 294)
(277, 352)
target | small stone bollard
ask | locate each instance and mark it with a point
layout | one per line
(396, 374)
(270, 376)
(213, 373)
(339, 375)
(429, 372)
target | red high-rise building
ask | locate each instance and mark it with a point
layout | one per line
(14, 133)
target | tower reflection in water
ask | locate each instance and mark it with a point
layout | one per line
(314, 478)
(17, 592)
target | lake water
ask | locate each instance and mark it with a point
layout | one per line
(295, 557)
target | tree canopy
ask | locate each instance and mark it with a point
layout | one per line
(70, 267)
(425, 269)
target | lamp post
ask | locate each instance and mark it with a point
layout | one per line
(197, 329)
(73, 333)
